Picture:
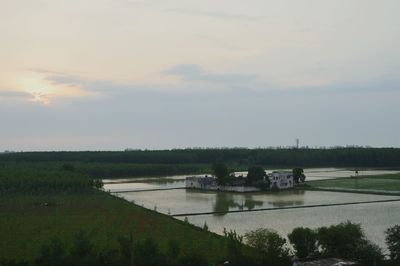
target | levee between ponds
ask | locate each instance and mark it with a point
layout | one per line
(288, 208)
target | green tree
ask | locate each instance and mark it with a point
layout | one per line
(271, 244)
(340, 240)
(304, 241)
(255, 173)
(393, 242)
(221, 172)
(298, 175)
(368, 253)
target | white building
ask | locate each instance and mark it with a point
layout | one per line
(210, 183)
(202, 182)
(281, 180)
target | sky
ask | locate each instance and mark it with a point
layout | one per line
(163, 74)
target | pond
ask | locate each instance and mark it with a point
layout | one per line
(255, 210)
(375, 218)
(182, 201)
(145, 183)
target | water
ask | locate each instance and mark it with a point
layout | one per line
(143, 183)
(183, 201)
(374, 217)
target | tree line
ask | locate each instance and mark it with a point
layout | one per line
(305, 157)
(39, 181)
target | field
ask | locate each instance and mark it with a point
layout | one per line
(31, 221)
(43, 195)
(388, 183)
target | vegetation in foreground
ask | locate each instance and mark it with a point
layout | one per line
(32, 221)
(53, 211)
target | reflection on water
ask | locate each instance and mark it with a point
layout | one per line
(295, 198)
(224, 202)
(185, 202)
(374, 218)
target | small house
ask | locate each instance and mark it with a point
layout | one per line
(281, 180)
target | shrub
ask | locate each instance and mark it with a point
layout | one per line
(393, 242)
(340, 240)
(304, 241)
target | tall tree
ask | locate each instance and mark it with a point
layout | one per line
(393, 242)
(255, 173)
(221, 172)
(298, 175)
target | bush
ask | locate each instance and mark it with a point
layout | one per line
(393, 243)
(340, 240)
(304, 241)
(147, 253)
(192, 259)
(368, 253)
(271, 244)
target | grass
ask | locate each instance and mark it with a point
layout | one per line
(26, 223)
(378, 182)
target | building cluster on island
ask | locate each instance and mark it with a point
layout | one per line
(256, 180)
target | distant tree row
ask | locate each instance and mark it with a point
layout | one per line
(34, 181)
(353, 156)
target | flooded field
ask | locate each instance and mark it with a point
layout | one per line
(146, 183)
(375, 218)
(247, 211)
(181, 201)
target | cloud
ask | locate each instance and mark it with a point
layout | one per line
(15, 94)
(201, 84)
(193, 72)
(215, 14)
(66, 79)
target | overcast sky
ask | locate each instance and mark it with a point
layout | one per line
(113, 74)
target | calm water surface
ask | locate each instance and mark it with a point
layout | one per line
(374, 217)
(183, 201)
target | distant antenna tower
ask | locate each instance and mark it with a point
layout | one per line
(297, 143)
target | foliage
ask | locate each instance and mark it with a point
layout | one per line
(53, 253)
(298, 175)
(205, 226)
(271, 244)
(192, 259)
(126, 248)
(280, 157)
(173, 249)
(232, 235)
(221, 172)
(340, 240)
(14, 179)
(368, 253)
(30, 223)
(255, 174)
(393, 242)
(304, 241)
(147, 253)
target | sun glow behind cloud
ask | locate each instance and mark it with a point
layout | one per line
(44, 91)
